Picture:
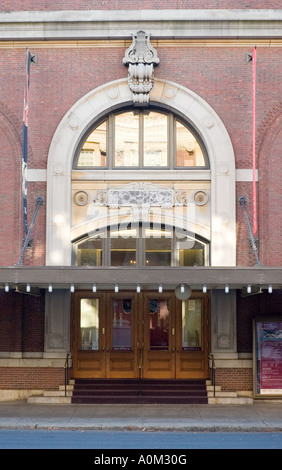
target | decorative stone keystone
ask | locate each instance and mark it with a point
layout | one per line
(140, 58)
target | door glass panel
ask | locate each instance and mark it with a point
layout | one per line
(155, 140)
(94, 150)
(126, 140)
(192, 324)
(89, 324)
(122, 324)
(159, 324)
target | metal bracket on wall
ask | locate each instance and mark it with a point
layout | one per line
(39, 202)
(242, 202)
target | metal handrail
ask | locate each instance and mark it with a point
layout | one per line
(66, 367)
(213, 367)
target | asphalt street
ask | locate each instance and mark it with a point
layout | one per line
(162, 444)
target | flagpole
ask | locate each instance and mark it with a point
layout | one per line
(254, 140)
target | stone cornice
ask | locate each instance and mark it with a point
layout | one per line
(120, 24)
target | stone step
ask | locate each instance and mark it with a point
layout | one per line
(49, 400)
(222, 394)
(68, 387)
(211, 388)
(57, 393)
(230, 401)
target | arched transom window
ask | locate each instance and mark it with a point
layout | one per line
(141, 246)
(141, 139)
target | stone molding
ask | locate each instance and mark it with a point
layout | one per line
(242, 175)
(32, 362)
(116, 24)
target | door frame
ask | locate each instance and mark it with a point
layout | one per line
(122, 363)
(108, 363)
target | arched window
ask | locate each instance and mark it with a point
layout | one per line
(141, 139)
(142, 245)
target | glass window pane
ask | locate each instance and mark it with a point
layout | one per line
(94, 150)
(126, 140)
(192, 257)
(190, 251)
(188, 151)
(122, 324)
(89, 324)
(159, 324)
(89, 253)
(191, 324)
(155, 140)
(123, 248)
(158, 247)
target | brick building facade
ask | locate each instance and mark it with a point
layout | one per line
(203, 81)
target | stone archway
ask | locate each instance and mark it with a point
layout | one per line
(113, 95)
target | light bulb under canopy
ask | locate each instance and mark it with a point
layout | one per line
(183, 292)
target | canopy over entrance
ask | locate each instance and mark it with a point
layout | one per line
(106, 278)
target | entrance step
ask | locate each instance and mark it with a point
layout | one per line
(123, 391)
(144, 391)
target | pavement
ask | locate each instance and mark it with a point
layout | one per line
(261, 416)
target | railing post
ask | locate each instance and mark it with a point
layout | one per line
(211, 357)
(66, 366)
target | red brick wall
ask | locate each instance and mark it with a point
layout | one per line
(220, 75)
(10, 174)
(234, 379)
(269, 146)
(28, 378)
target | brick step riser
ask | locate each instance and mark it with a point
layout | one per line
(137, 381)
(126, 389)
(139, 400)
(143, 393)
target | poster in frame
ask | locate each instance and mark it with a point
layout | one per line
(267, 356)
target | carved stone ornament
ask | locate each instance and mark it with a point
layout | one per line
(140, 195)
(81, 198)
(140, 58)
(200, 197)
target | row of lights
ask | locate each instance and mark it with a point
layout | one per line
(138, 288)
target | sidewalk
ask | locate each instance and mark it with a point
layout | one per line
(260, 416)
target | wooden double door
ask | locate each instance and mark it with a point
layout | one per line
(144, 335)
